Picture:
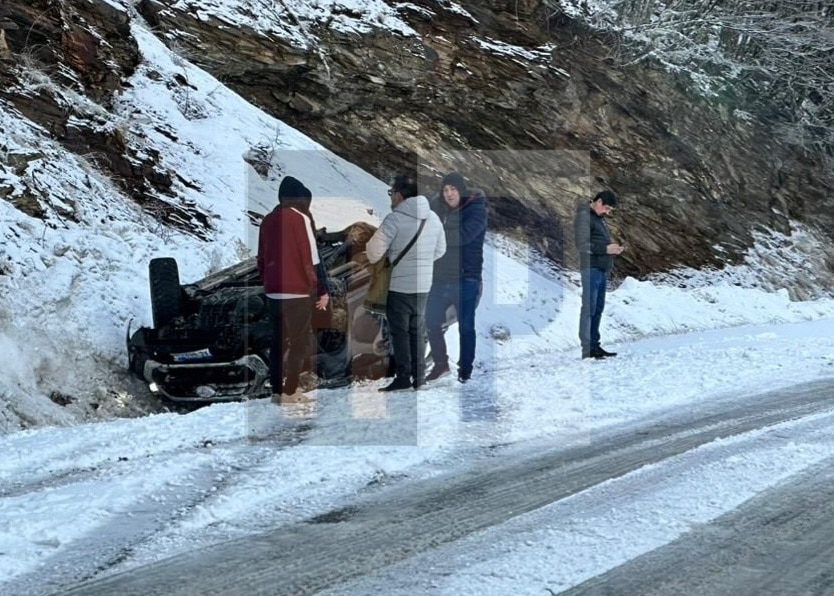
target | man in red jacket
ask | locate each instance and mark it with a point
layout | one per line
(288, 261)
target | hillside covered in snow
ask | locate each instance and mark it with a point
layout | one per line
(196, 166)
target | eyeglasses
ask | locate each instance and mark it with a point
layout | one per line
(391, 192)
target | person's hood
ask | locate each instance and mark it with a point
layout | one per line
(476, 195)
(416, 207)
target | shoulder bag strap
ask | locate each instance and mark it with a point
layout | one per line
(409, 245)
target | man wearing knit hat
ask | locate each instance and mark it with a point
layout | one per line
(596, 257)
(458, 274)
(289, 265)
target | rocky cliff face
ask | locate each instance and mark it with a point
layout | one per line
(534, 111)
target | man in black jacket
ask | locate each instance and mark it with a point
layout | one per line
(457, 280)
(596, 257)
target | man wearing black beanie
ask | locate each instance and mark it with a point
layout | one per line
(457, 278)
(292, 189)
(291, 271)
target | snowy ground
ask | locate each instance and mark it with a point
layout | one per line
(74, 495)
(170, 483)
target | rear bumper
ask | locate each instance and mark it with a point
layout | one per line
(208, 381)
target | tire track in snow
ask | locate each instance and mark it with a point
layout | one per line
(780, 543)
(113, 542)
(392, 525)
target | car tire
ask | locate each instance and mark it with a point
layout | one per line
(136, 364)
(137, 353)
(166, 293)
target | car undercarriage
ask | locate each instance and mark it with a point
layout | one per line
(210, 339)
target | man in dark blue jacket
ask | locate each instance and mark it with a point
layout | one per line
(596, 257)
(457, 277)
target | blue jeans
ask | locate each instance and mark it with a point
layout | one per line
(464, 296)
(593, 303)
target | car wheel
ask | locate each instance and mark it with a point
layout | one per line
(136, 364)
(166, 294)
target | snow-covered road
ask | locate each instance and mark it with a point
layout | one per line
(537, 480)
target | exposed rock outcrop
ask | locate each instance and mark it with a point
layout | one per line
(694, 175)
(553, 118)
(67, 62)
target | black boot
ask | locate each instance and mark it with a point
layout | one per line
(398, 384)
(600, 353)
(437, 371)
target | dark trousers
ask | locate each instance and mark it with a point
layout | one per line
(290, 334)
(406, 314)
(593, 303)
(463, 296)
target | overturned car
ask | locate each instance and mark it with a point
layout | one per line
(210, 339)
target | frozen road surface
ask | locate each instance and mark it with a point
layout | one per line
(779, 542)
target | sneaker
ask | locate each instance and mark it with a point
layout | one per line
(463, 377)
(592, 354)
(418, 383)
(437, 372)
(398, 384)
